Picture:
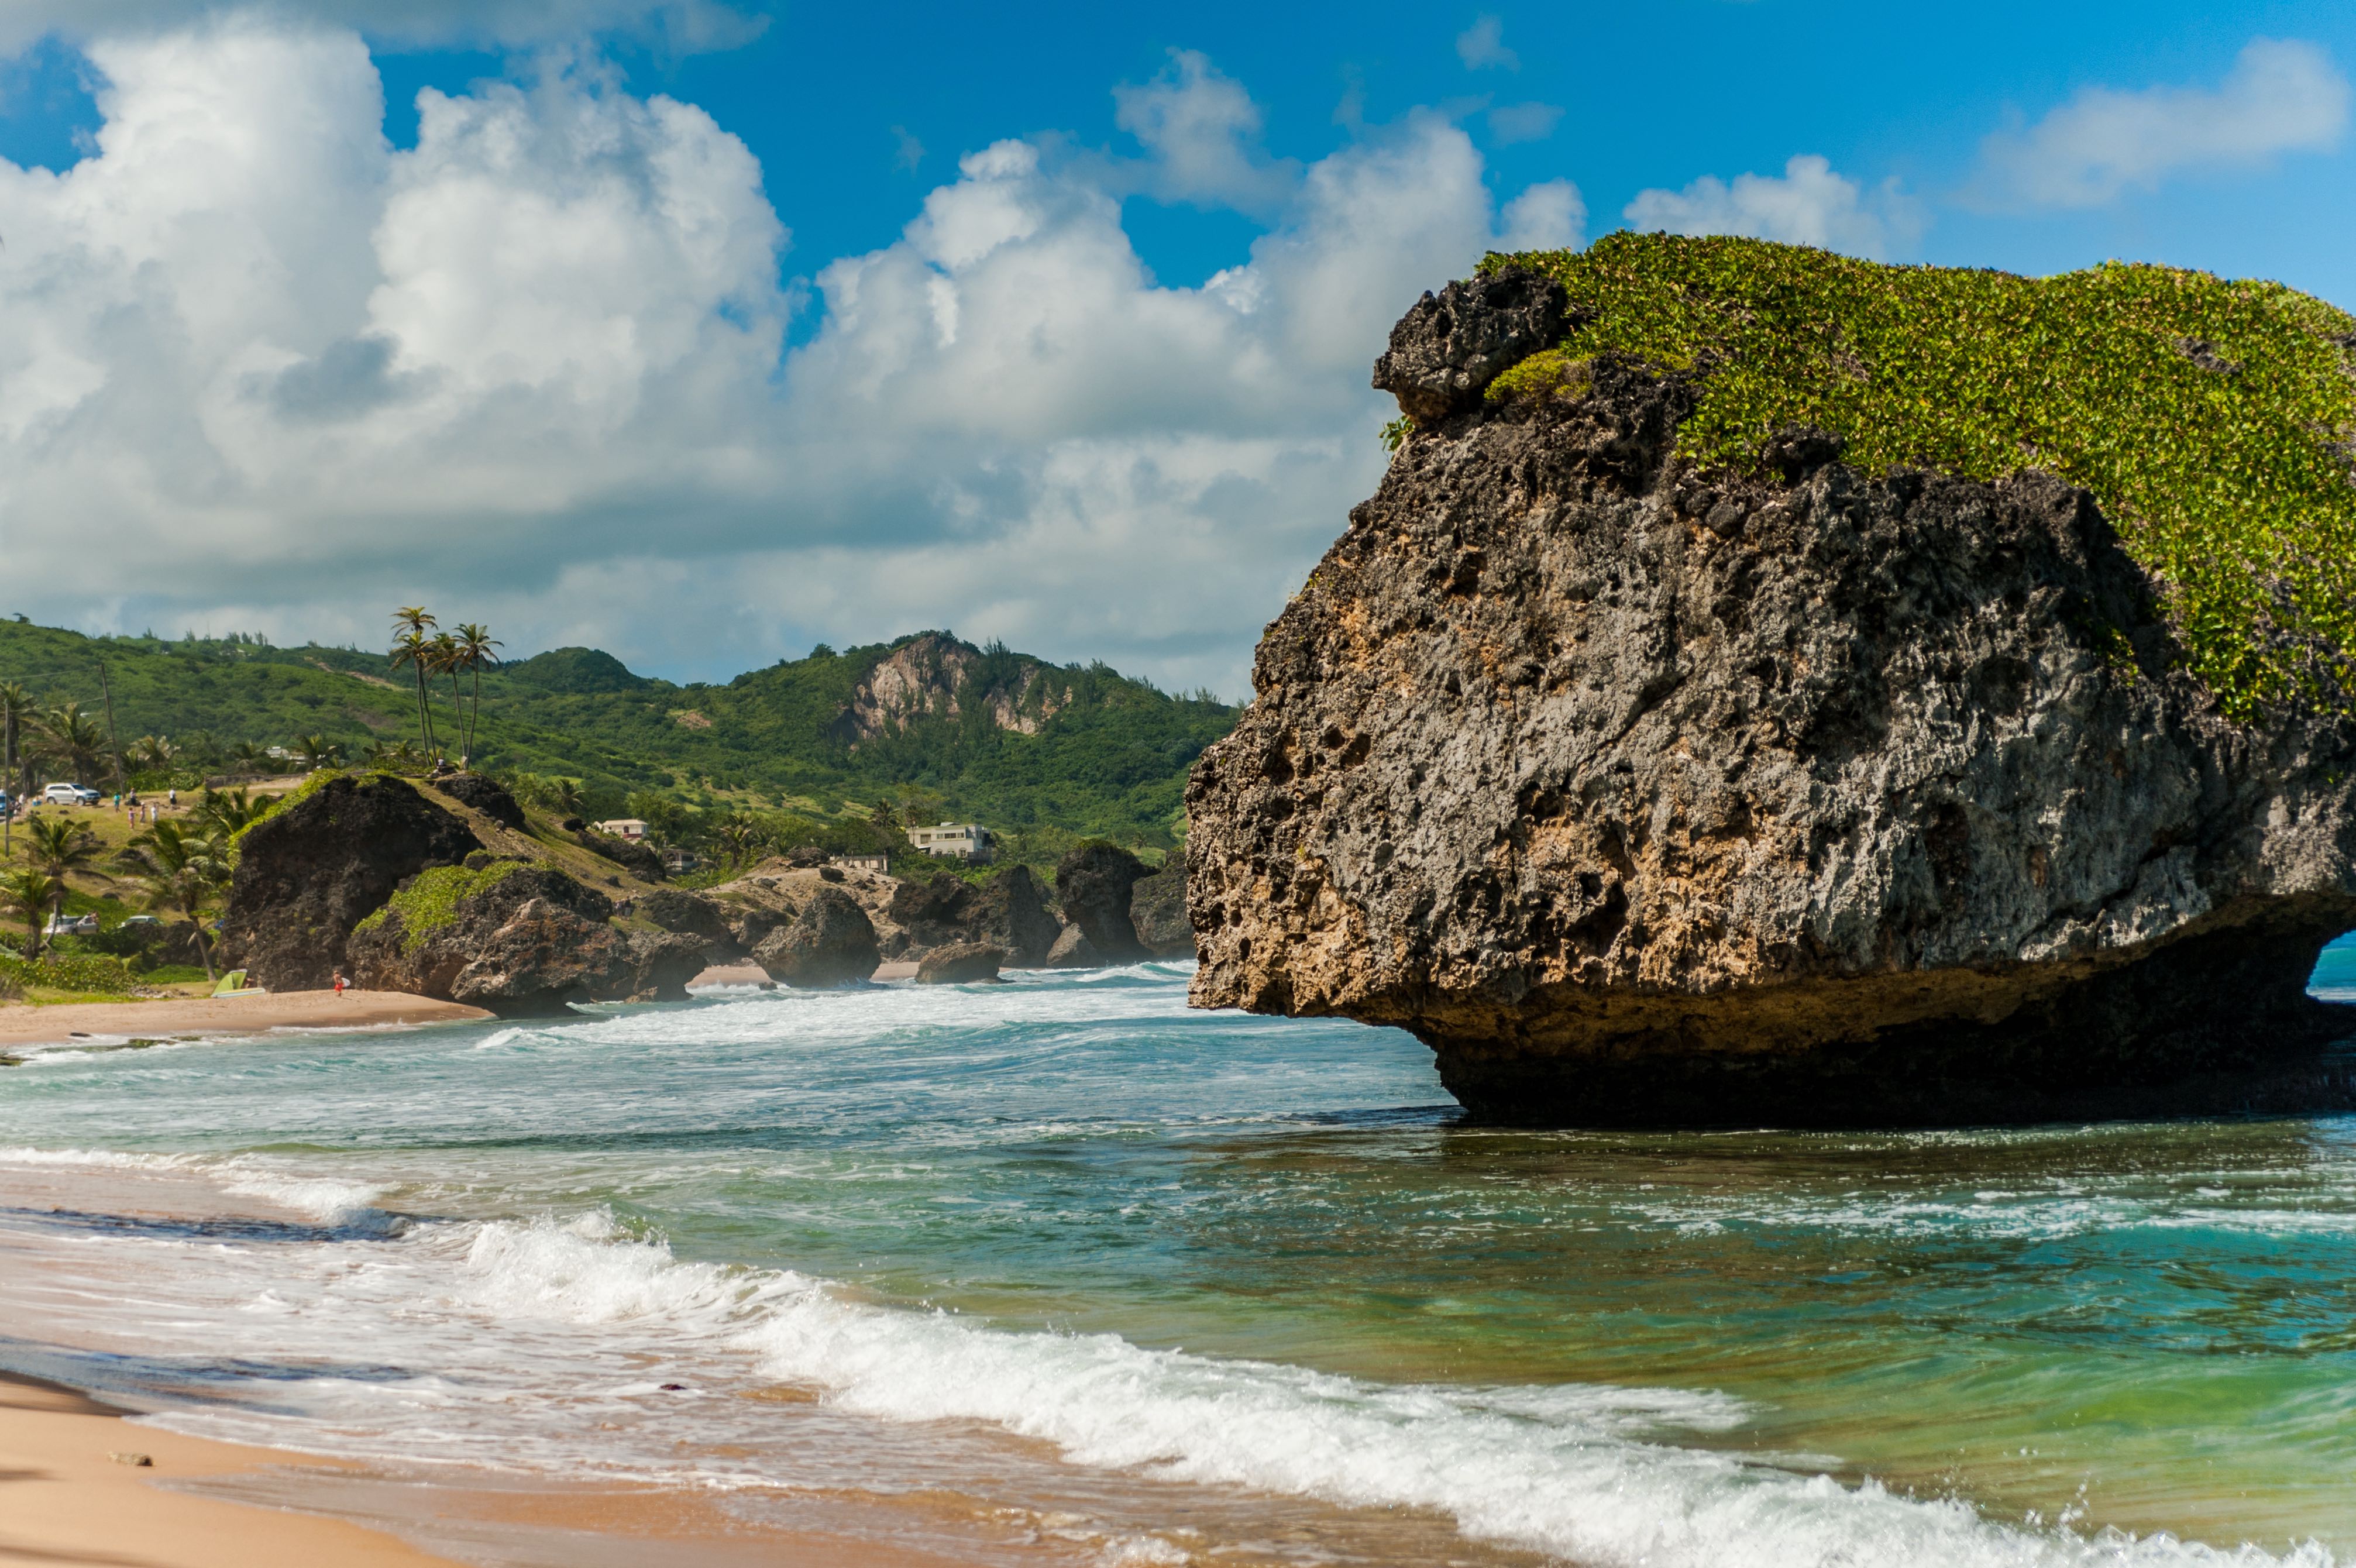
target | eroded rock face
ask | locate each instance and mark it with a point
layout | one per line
(959, 964)
(691, 914)
(1445, 350)
(1092, 884)
(831, 942)
(526, 945)
(308, 874)
(1157, 909)
(1007, 912)
(1821, 798)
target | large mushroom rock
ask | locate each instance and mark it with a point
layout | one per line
(1157, 908)
(1652, 791)
(1007, 911)
(831, 942)
(323, 861)
(520, 938)
(485, 795)
(1092, 884)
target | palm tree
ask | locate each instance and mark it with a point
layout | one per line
(57, 847)
(74, 739)
(250, 756)
(15, 707)
(317, 751)
(29, 894)
(566, 797)
(226, 810)
(475, 642)
(408, 648)
(152, 754)
(449, 657)
(180, 870)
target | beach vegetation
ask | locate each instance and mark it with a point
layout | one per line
(182, 869)
(2213, 419)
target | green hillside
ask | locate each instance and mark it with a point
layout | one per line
(1109, 759)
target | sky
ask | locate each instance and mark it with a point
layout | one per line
(704, 332)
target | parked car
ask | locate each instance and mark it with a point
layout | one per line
(69, 795)
(73, 926)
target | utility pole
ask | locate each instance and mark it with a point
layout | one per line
(112, 740)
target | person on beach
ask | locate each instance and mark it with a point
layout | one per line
(339, 983)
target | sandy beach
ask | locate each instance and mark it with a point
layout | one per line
(66, 1497)
(24, 1024)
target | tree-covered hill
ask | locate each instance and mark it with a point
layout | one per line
(927, 722)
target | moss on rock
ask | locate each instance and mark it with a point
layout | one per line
(2213, 419)
(430, 903)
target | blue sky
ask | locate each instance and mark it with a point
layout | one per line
(757, 392)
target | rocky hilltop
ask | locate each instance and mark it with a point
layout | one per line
(1767, 688)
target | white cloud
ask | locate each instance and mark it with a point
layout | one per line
(2281, 96)
(259, 369)
(1809, 205)
(1548, 217)
(1482, 45)
(1201, 130)
(681, 26)
(1511, 123)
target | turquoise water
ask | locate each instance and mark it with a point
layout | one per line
(1213, 1287)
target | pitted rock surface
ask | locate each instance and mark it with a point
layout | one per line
(1447, 348)
(1819, 798)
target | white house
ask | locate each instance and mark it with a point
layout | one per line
(624, 828)
(862, 862)
(954, 841)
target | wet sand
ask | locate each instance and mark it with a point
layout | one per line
(177, 1018)
(65, 1499)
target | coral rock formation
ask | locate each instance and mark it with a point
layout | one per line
(1802, 795)
(316, 868)
(829, 942)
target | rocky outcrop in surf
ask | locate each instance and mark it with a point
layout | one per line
(1650, 790)
(520, 938)
(829, 942)
(322, 863)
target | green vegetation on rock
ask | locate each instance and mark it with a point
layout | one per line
(431, 903)
(2214, 420)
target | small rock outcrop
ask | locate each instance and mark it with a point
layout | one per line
(637, 859)
(316, 868)
(520, 938)
(1008, 912)
(1449, 349)
(1074, 950)
(691, 914)
(831, 942)
(961, 963)
(1651, 795)
(1157, 910)
(1092, 884)
(487, 796)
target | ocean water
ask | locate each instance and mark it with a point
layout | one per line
(1060, 1266)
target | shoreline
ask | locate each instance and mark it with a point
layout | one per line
(189, 1018)
(64, 1497)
